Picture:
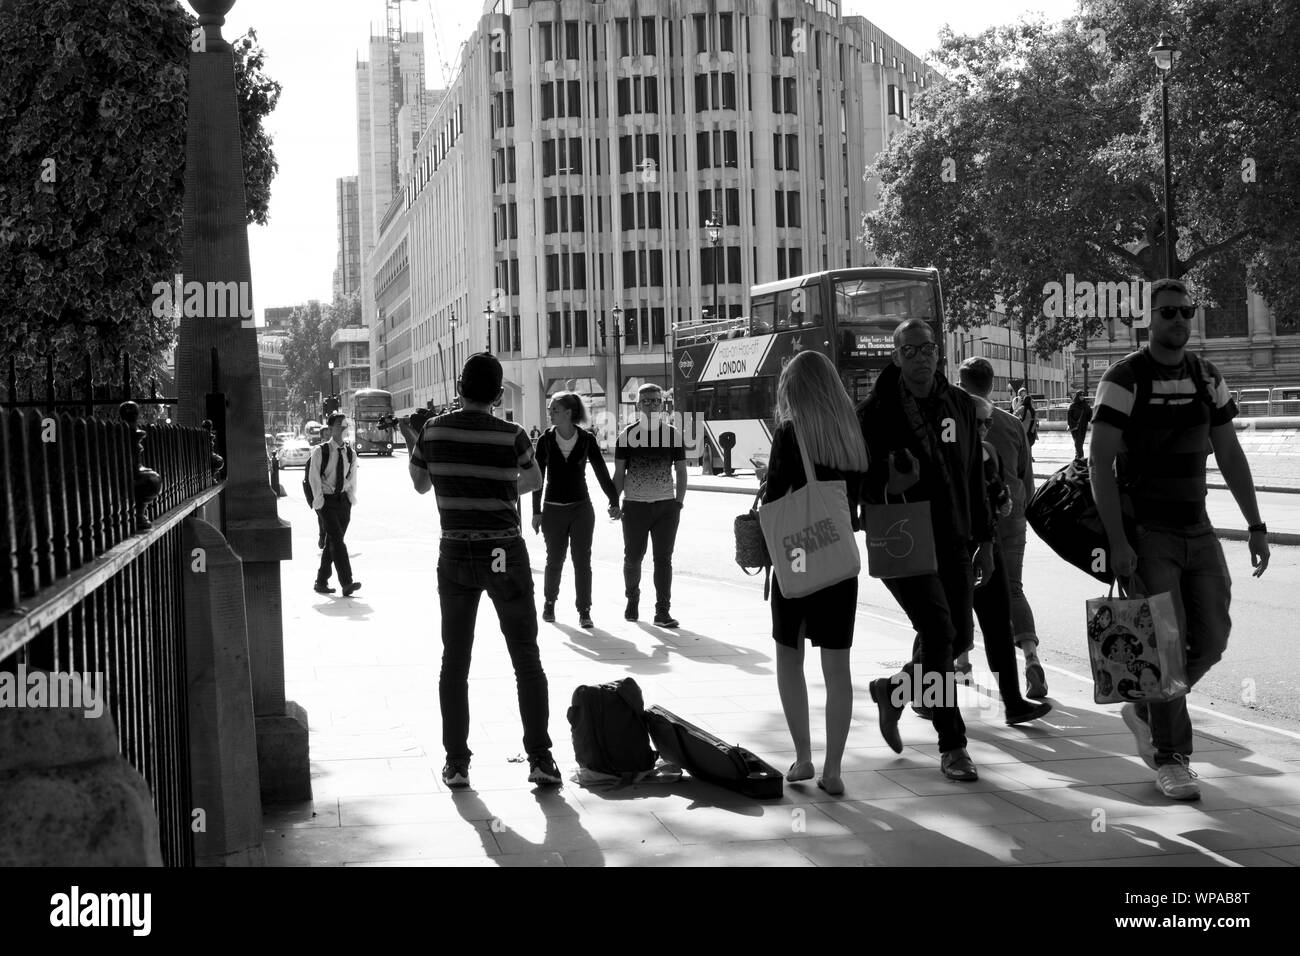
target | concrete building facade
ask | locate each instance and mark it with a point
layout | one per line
(573, 163)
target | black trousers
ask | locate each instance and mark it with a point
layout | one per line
(939, 607)
(656, 521)
(992, 606)
(1078, 436)
(335, 515)
(568, 527)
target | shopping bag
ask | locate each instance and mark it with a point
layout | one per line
(900, 540)
(809, 534)
(1136, 649)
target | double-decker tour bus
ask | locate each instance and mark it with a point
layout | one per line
(726, 371)
(369, 405)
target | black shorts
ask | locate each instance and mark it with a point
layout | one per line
(829, 616)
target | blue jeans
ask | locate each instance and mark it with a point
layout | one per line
(1189, 564)
(465, 570)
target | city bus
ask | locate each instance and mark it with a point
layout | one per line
(726, 371)
(369, 405)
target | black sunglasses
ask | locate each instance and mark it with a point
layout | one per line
(1169, 311)
(909, 351)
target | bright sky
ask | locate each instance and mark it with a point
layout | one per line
(313, 56)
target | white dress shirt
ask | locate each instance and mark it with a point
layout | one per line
(338, 466)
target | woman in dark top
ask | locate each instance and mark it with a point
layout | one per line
(811, 398)
(568, 519)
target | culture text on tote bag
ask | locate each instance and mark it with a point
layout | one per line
(900, 540)
(809, 534)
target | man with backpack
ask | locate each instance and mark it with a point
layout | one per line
(332, 477)
(1157, 412)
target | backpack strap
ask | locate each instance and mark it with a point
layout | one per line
(1145, 377)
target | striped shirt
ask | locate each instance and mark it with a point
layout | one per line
(1166, 442)
(473, 460)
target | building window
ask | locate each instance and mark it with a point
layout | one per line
(547, 42)
(725, 41)
(624, 36)
(648, 36)
(634, 150)
(787, 36)
(553, 330)
(571, 39)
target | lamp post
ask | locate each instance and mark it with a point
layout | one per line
(616, 314)
(455, 369)
(1166, 53)
(714, 228)
(488, 314)
(970, 337)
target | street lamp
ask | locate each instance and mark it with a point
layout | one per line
(616, 314)
(714, 228)
(488, 314)
(334, 390)
(1166, 53)
(455, 369)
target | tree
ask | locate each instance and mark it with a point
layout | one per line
(1040, 157)
(93, 104)
(307, 351)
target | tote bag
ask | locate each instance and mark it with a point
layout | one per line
(900, 540)
(809, 534)
(1135, 647)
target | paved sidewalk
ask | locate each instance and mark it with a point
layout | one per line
(1066, 791)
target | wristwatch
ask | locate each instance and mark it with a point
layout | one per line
(1258, 527)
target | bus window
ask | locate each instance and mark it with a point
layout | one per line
(810, 297)
(785, 320)
(763, 319)
(871, 309)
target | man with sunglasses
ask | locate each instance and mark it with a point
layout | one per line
(923, 440)
(650, 474)
(1158, 411)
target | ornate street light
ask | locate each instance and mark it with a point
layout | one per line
(1166, 54)
(616, 314)
(714, 228)
(488, 314)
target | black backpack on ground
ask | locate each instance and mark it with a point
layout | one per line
(710, 759)
(324, 462)
(609, 729)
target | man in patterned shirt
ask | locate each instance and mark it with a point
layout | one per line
(650, 452)
(473, 462)
(1158, 412)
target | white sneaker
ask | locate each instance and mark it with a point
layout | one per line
(1175, 780)
(1146, 748)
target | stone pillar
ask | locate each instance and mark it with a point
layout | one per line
(1262, 343)
(215, 250)
(67, 796)
(224, 754)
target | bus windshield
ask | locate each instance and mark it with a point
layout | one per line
(868, 310)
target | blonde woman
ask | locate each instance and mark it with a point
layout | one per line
(811, 400)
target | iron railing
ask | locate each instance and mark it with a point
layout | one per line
(91, 577)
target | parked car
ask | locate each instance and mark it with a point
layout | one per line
(296, 451)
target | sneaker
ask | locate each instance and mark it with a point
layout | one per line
(456, 774)
(1146, 749)
(1036, 680)
(548, 611)
(584, 618)
(543, 770)
(351, 589)
(323, 588)
(1176, 780)
(631, 612)
(664, 619)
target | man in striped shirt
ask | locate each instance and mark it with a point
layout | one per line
(1160, 445)
(473, 462)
